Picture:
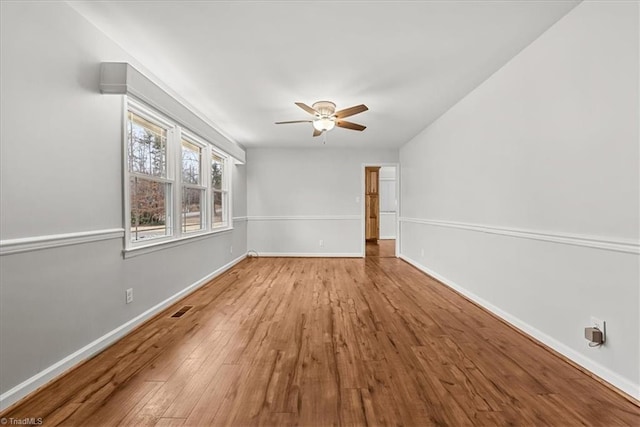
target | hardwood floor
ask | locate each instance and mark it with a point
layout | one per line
(381, 248)
(294, 341)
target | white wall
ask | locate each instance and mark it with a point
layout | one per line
(297, 197)
(388, 202)
(525, 195)
(61, 173)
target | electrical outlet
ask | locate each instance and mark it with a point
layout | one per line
(422, 252)
(321, 243)
(230, 249)
(129, 295)
(357, 199)
(601, 325)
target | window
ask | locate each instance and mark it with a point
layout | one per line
(162, 205)
(193, 190)
(149, 186)
(218, 186)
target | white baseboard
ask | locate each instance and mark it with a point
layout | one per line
(59, 368)
(310, 255)
(618, 381)
(386, 238)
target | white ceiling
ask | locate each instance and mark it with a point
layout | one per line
(243, 64)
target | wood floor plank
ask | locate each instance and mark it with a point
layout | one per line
(277, 419)
(222, 390)
(186, 400)
(170, 422)
(192, 345)
(115, 410)
(170, 389)
(378, 400)
(352, 410)
(315, 342)
(62, 414)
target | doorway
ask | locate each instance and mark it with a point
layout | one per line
(380, 210)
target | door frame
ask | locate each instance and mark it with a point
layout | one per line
(363, 221)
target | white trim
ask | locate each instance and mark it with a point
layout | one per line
(240, 218)
(189, 138)
(309, 255)
(305, 218)
(166, 244)
(363, 202)
(62, 366)
(121, 78)
(617, 245)
(398, 209)
(28, 244)
(175, 135)
(172, 138)
(603, 372)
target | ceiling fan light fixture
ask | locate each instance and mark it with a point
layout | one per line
(324, 116)
(323, 124)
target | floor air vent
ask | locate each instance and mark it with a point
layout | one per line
(182, 311)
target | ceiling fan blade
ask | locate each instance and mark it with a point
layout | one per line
(306, 108)
(316, 132)
(350, 111)
(294, 121)
(349, 125)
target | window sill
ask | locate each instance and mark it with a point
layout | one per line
(166, 244)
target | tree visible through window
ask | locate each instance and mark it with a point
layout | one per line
(218, 183)
(193, 193)
(148, 185)
(178, 184)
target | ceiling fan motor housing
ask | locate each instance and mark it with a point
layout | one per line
(324, 108)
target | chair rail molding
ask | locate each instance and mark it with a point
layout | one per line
(617, 245)
(27, 244)
(306, 218)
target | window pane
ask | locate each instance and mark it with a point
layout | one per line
(191, 155)
(192, 214)
(217, 165)
(218, 209)
(147, 147)
(149, 209)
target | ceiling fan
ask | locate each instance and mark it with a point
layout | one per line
(325, 116)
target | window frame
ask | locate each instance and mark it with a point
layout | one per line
(204, 147)
(169, 177)
(175, 135)
(224, 190)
